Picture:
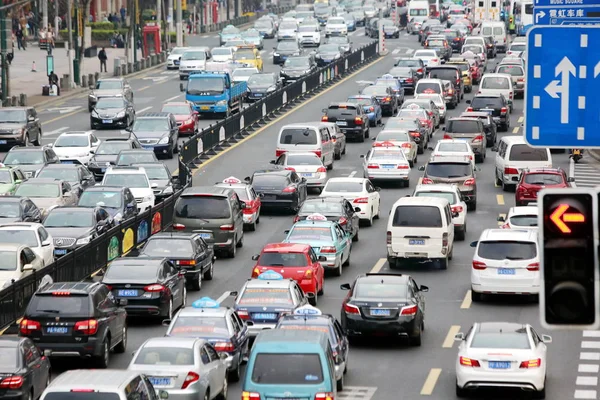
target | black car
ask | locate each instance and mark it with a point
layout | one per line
(440, 44)
(455, 39)
(73, 227)
(384, 305)
(495, 104)
(24, 370)
(328, 53)
(390, 30)
(76, 317)
(430, 31)
(107, 152)
(18, 209)
(157, 131)
(159, 174)
(449, 73)
(372, 28)
(385, 96)
(284, 50)
(415, 63)
(426, 27)
(334, 209)
(112, 112)
(151, 286)
(129, 157)
(407, 77)
(186, 250)
(117, 201)
(490, 46)
(350, 118)
(30, 159)
(20, 126)
(261, 85)
(279, 189)
(342, 41)
(78, 176)
(297, 67)
(488, 124)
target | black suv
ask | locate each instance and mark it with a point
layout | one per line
(350, 118)
(157, 131)
(107, 152)
(20, 126)
(496, 104)
(455, 38)
(30, 159)
(296, 67)
(449, 73)
(76, 318)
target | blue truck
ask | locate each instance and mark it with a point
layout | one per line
(213, 92)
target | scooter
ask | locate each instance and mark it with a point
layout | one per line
(576, 155)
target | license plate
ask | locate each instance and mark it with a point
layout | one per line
(205, 107)
(506, 271)
(159, 381)
(380, 312)
(67, 162)
(416, 242)
(103, 169)
(265, 316)
(387, 166)
(307, 175)
(176, 62)
(258, 94)
(128, 293)
(269, 197)
(57, 329)
(147, 147)
(206, 235)
(3, 142)
(107, 121)
(499, 364)
(463, 139)
(485, 110)
(341, 123)
(60, 252)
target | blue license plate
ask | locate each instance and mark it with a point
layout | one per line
(176, 62)
(341, 123)
(499, 364)
(61, 330)
(307, 175)
(60, 252)
(206, 235)
(506, 271)
(148, 147)
(380, 312)
(107, 121)
(266, 316)
(3, 142)
(103, 169)
(388, 166)
(128, 293)
(67, 162)
(416, 242)
(160, 381)
(258, 94)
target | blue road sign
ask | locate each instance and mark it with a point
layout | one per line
(564, 3)
(567, 15)
(562, 107)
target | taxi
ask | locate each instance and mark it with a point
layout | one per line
(327, 239)
(221, 326)
(262, 301)
(250, 56)
(309, 318)
(293, 261)
(452, 148)
(245, 192)
(388, 163)
(401, 138)
(465, 70)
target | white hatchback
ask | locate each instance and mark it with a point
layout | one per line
(524, 217)
(136, 180)
(505, 262)
(358, 191)
(451, 193)
(32, 235)
(75, 147)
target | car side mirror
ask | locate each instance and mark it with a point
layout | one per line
(91, 87)
(501, 219)
(223, 355)
(175, 180)
(247, 179)
(50, 145)
(255, 257)
(303, 179)
(122, 302)
(362, 156)
(322, 258)
(546, 338)
(46, 242)
(345, 286)
(181, 87)
(424, 288)
(27, 267)
(468, 101)
(459, 337)
(422, 168)
(166, 322)
(570, 179)
(357, 209)
(272, 161)
(31, 119)
(474, 244)
(92, 151)
(444, 128)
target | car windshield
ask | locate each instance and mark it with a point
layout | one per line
(137, 157)
(103, 199)
(297, 62)
(202, 207)
(112, 148)
(156, 173)
(5, 176)
(177, 109)
(221, 51)
(409, 63)
(165, 356)
(269, 259)
(399, 123)
(393, 153)
(205, 85)
(513, 70)
(479, 102)
(25, 237)
(375, 90)
(406, 113)
(344, 187)
(286, 25)
(198, 326)
(69, 219)
(262, 24)
(417, 217)
(522, 152)
(151, 125)
(110, 102)
(72, 141)
(178, 50)
(463, 67)
(524, 220)
(309, 232)
(230, 30)
(429, 87)
(265, 296)
(498, 83)
(64, 306)
(336, 21)
(401, 72)
(472, 48)
(308, 28)
(37, 189)
(518, 47)
(66, 174)
(244, 54)
(463, 126)
(447, 74)
(425, 53)
(168, 247)
(379, 290)
(455, 147)
(449, 170)
(287, 45)
(109, 85)
(363, 101)
(287, 369)
(341, 113)
(298, 136)
(194, 56)
(450, 196)
(501, 340)
(303, 159)
(251, 34)
(435, 43)
(273, 181)
(24, 158)
(507, 250)
(10, 210)
(321, 207)
(9, 260)
(395, 136)
(7, 116)
(544, 179)
(132, 181)
(261, 79)
(329, 48)
(125, 272)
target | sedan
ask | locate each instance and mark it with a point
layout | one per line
(430, 58)
(428, 105)
(78, 176)
(342, 41)
(407, 77)
(75, 147)
(424, 118)
(501, 354)
(18, 209)
(414, 127)
(296, 68)
(520, 217)
(261, 85)
(399, 138)
(390, 30)
(162, 182)
(112, 112)
(10, 179)
(439, 44)
(334, 209)
(18, 261)
(394, 84)
(371, 107)
(254, 37)
(24, 369)
(358, 191)
(307, 165)
(32, 235)
(229, 33)
(384, 95)
(328, 53)
(222, 54)
(285, 49)
(388, 163)
(186, 116)
(48, 193)
(279, 189)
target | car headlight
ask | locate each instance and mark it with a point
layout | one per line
(121, 114)
(17, 131)
(168, 190)
(188, 122)
(271, 89)
(118, 217)
(148, 199)
(164, 140)
(95, 114)
(222, 102)
(84, 240)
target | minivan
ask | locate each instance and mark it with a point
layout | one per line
(312, 136)
(497, 30)
(430, 86)
(294, 364)
(513, 156)
(498, 84)
(420, 229)
(215, 213)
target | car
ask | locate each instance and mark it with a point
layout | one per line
(287, 30)
(430, 58)
(246, 194)
(520, 217)
(372, 27)
(242, 74)
(342, 41)
(334, 209)
(414, 111)
(351, 119)
(470, 130)
(265, 27)
(136, 180)
(470, 50)
(489, 125)
(394, 84)
(261, 85)
(48, 193)
(30, 234)
(418, 130)
(112, 112)
(458, 170)
(512, 61)
(481, 359)
(128, 157)
(296, 67)
(118, 201)
(384, 305)
(18, 209)
(465, 68)
(415, 63)
(390, 29)
(328, 53)
(20, 126)
(414, 24)
(438, 102)
(532, 180)
(455, 38)
(452, 148)
(234, 44)
(19, 261)
(222, 54)
(285, 49)
(424, 27)
(151, 286)
(30, 159)
(174, 55)
(336, 26)
(75, 147)
(157, 131)
(110, 87)
(107, 152)
(371, 107)
(439, 44)
(452, 74)
(10, 179)
(387, 162)
(250, 56)
(279, 188)
(27, 369)
(228, 33)
(399, 138)
(494, 104)
(254, 37)
(428, 105)
(185, 115)
(338, 138)
(310, 35)
(297, 261)
(360, 192)
(385, 96)
(192, 61)
(407, 77)
(82, 305)
(457, 204)
(517, 74)
(431, 31)
(307, 165)
(159, 175)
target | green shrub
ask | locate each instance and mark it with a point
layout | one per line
(101, 26)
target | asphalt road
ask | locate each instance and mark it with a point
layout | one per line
(377, 370)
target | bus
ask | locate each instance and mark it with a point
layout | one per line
(521, 16)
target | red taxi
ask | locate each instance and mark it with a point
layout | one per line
(246, 193)
(187, 118)
(293, 261)
(533, 180)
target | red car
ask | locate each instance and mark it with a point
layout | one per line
(187, 118)
(246, 193)
(475, 71)
(294, 261)
(533, 180)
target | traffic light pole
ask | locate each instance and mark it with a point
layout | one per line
(3, 52)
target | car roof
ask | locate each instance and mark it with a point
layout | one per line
(214, 190)
(138, 261)
(519, 235)
(42, 180)
(117, 170)
(73, 287)
(555, 170)
(383, 278)
(421, 201)
(347, 179)
(107, 380)
(514, 139)
(499, 327)
(439, 187)
(25, 225)
(286, 248)
(430, 80)
(258, 283)
(105, 188)
(205, 312)
(60, 166)
(11, 246)
(284, 336)
(488, 95)
(76, 133)
(169, 341)
(523, 210)
(75, 208)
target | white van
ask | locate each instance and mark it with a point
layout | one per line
(513, 156)
(420, 229)
(314, 137)
(430, 86)
(498, 84)
(418, 8)
(497, 30)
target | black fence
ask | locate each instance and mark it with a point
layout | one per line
(205, 143)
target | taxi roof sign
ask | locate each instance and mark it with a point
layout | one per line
(205, 302)
(270, 276)
(316, 217)
(387, 76)
(232, 180)
(307, 310)
(384, 144)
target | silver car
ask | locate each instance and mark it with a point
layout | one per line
(183, 367)
(48, 193)
(307, 165)
(386, 163)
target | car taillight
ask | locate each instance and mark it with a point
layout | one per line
(290, 169)
(406, 145)
(308, 274)
(387, 99)
(469, 109)
(531, 363)
(479, 265)
(469, 182)
(109, 287)
(186, 262)
(317, 152)
(477, 139)
(445, 239)
(250, 396)
(511, 171)
(12, 382)
(415, 134)
(372, 166)
(228, 227)
(154, 288)
(27, 326)
(450, 91)
(457, 209)
(243, 314)
(342, 221)
(321, 169)
(469, 362)
(289, 189)
(224, 346)
(409, 310)
(324, 118)
(296, 218)
(510, 95)
(361, 200)
(456, 39)
(255, 273)
(521, 80)
(434, 60)
(324, 396)
(533, 267)
(402, 166)
(189, 379)
(358, 120)
(504, 110)
(61, 293)
(279, 152)
(87, 327)
(446, 136)
(427, 181)
(420, 70)
(388, 238)
(350, 309)
(408, 80)
(328, 249)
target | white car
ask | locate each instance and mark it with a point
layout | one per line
(524, 217)
(32, 235)
(506, 261)
(512, 61)
(136, 180)
(478, 50)
(309, 35)
(222, 54)
(174, 56)
(243, 74)
(18, 261)
(307, 165)
(451, 193)
(401, 138)
(429, 57)
(501, 354)
(336, 26)
(452, 148)
(516, 49)
(288, 30)
(75, 147)
(193, 60)
(358, 191)
(438, 100)
(387, 164)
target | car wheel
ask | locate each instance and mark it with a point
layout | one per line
(170, 152)
(369, 222)
(240, 243)
(338, 270)
(208, 275)
(367, 133)
(27, 142)
(476, 297)
(122, 346)
(460, 392)
(196, 284)
(460, 234)
(416, 340)
(344, 150)
(252, 226)
(104, 358)
(38, 139)
(444, 263)
(411, 163)
(355, 238)
(498, 180)
(232, 250)
(541, 394)
(234, 376)
(420, 149)
(313, 302)
(337, 156)
(340, 383)
(169, 314)
(472, 206)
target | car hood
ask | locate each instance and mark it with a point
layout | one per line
(107, 92)
(4, 127)
(108, 111)
(105, 158)
(162, 183)
(70, 232)
(335, 26)
(222, 58)
(257, 88)
(46, 202)
(192, 64)
(287, 32)
(294, 70)
(6, 187)
(182, 117)
(329, 55)
(287, 52)
(71, 151)
(229, 36)
(150, 134)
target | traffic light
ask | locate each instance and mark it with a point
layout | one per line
(568, 243)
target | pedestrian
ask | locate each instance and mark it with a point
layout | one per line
(102, 57)
(123, 12)
(20, 37)
(53, 81)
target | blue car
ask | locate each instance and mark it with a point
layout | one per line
(228, 33)
(350, 22)
(371, 107)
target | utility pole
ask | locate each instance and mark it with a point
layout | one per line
(77, 45)
(170, 15)
(179, 23)
(159, 13)
(69, 43)
(56, 14)
(135, 20)
(45, 14)
(6, 36)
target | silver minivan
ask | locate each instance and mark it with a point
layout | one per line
(314, 137)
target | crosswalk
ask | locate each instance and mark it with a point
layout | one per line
(357, 393)
(402, 51)
(588, 368)
(586, 175)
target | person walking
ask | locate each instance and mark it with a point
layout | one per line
(20, 37)
(53, 80)
(102, 57)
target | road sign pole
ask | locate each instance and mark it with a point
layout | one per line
(4, 51)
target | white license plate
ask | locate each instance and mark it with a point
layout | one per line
(506, 271)
(341, 123)
(107, 121)
(416, 242)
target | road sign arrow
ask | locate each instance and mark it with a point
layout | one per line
(553, 89)
(563, 69)
(64, 110)
(538, 15)
(560, 216)
(597, 69)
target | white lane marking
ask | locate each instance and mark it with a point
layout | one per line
(588, 368)
(591, 334)
(587, 381)
(352, 174)
(589, 356)
(55, 132)
(357, 393)
(585, 394)
(396, 51)
(172, 98)
(410, 51)
(144, 109)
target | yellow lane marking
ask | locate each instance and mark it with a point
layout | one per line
(466, 303)
(449, 341)
(500, 223)
(61, 117)
(430, 382)
(378, 265)
(516, 129)
(144, 88)
(500, 199)
(521, 119)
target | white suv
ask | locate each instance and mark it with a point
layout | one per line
(136, 180)
(75, 147)
(458, 206)
(336, 26)
(523, 217)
